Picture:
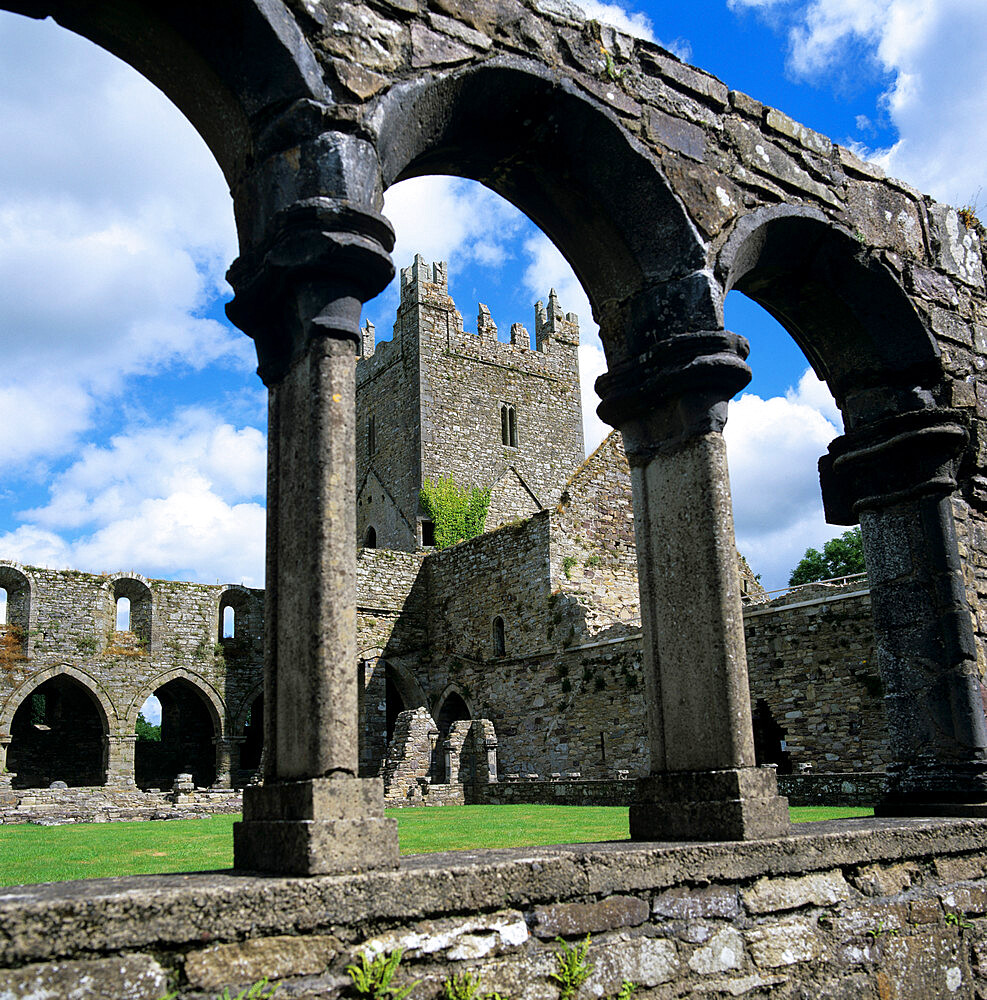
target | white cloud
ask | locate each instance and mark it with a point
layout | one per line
(177, 499)
(773, 446)
(620, 17)
(116, 227)
(933, 52)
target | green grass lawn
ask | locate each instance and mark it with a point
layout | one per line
(94, 850)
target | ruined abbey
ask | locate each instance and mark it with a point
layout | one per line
(525, 642)
(664, 189)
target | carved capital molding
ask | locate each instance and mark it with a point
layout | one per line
(892, 460)
(321, 260)
(676, 390)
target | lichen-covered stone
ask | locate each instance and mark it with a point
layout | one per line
(772, 894)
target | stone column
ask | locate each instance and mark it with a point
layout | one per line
(670, 405)
(120, 761)
(896, 475)
(299, 292)
(5, 777)
(224, 755)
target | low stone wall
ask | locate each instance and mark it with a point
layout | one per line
(561, 792)
(58, 806)
(851, 788)
(850, 909)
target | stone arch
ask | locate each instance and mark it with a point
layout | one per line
(107, 712)
(210, 696)
(594, 189)
(192, 717)
(22, 610)
(252, 736)
(138, 591)
(222, 67)
(67, 741)
(237, 597)
(840, 302)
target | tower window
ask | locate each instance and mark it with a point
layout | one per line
(508, 425)
(428, 533)
(370, 542)
(3, 606)
(123, 614)
(371, 435)
(229, 622)
(499, 643)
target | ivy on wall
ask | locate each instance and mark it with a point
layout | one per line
(458, 514)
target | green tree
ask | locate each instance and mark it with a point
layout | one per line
(145, 731)
(458, 514)
(841, 556)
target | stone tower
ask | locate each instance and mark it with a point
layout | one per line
(437, 400)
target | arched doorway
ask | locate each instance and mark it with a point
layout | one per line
(452, 710)
(187, 743)
(58, 733)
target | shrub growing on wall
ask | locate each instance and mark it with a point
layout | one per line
(458, 514)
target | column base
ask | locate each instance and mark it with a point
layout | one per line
(736, 804)
(323, 826)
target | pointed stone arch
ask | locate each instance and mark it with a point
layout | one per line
(108, 713)
(215, 704)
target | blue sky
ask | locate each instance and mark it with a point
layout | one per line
(134, 430)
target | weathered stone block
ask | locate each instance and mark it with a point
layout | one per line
(458, 939)
(692, 904)
(644, 961)
(724, 951)
(570, 919)
(223, 965)
(136, 977)
(788, 942)
(770, 895)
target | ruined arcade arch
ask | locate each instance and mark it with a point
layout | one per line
(58, 722)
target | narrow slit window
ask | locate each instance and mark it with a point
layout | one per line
(512, 429)
(123, 614)
(229, 622)
(499, 642)
(505, 433)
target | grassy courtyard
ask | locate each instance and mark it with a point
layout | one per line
(94, 850)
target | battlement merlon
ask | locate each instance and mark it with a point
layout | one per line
(418, 274)
(552, 323)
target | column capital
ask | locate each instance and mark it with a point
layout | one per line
(676, 390)
(892, 460)
(320, 260)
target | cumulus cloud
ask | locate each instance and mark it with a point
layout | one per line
(633, 23)
(183, 498)
(773, 446)
(115, 230)
(932, 52)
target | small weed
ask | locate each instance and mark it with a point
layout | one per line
(626, 989)
(956, 920)
(882, 931)
(372, 977)
(968, 216)
(567, 565)
(466, 986)
(255, 992)
(572, 970)
(593, 561)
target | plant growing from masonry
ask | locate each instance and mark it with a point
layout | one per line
(372, 977)
(457, 513)
(571, 968)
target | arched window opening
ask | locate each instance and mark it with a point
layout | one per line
(229, 622)
(370, 542)
(3, 606)
(187, 739)
(58, 734)
(253, 736)
(123, 614)
(395, 703)
(508, 425)
(499, 641)
(149, 721)
(130, 617)
(453, 709)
